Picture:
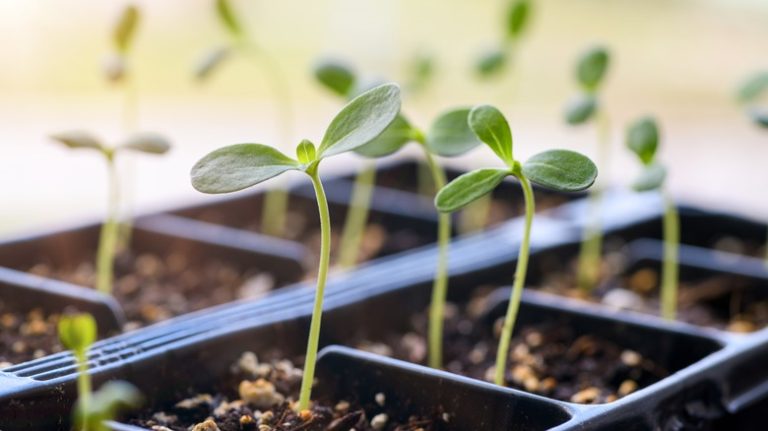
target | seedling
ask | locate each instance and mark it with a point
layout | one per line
(77, 332)
(237, 167)
(561, 170)
(149, 143)
(752, 91)
(643, 140)
(590, 72)
(496, 60)
(240, 44)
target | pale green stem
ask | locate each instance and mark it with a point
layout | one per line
(130, 116)
(592, 239)
(517, 286)
(322, 273)
(357, 216)
(83, 387)
(425, 185)
(669, 274)
(109, 232)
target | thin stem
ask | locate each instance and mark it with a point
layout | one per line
(83, 387)
(357, 216)
(669, 277)
(519, 283)
(109, 233)
(322, 273)
(130, 120)
(592, 240)
(440, 283)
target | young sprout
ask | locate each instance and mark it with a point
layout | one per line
(495, 61)
(754, 89)
(590, 72)
(77, 332)
(241, 44)
(149, 143)
(643, 140)
(561, 170)
(237, 167)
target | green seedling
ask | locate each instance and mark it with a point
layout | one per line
(643, 141)
(590, 71)
(149, 143)
(498, 59)
(240, 44)
(78, 332)
(561, 170)
(237, 167)
(751, 92)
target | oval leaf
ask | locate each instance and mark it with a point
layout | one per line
(147, 142)
(450, 134)
(336, 77)
(759, 116)
(561, 170)
(111, 398)
(361, 120)
(753, 87)
(77, 332)
(643, 139)
(78, 139)
(580, 109)
(227, 17)
(591, 67)
(517, 18)
(390, 141)
(491, 63)
(306, 152)
(240, 166)
(651, 178)
(468, 187)
(211, 61)
(491, 127)
(125, 29)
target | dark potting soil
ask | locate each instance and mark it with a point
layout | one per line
(546, 359)
(153, 287)
(261, 395)
(25, 336)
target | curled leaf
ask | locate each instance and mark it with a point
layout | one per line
(125, 29)
(239, 166)
(468, 187)
(306, 152)
(147, 142)
(336, 76)
(211, 61)
(361, 120)
(592, 67)
(228, 18)
(643, 139)
(394, 137)
(450, 134)
(77, 332)
(753, 87)
(78, 139)
(651, 178)
(491, 63)
(580, 109)
(491, 127)
(561, 170)
(517, 18)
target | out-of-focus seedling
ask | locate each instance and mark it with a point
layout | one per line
(77, 332)
(237, 167)
(495, 61)
(240, 44)
(561, 170)
(590, 73)
(750, 94)
(643, 140)
(149, 143)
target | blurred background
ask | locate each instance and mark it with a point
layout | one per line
(680, 60)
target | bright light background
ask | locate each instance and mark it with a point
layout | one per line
(678, 59)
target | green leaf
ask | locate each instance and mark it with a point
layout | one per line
(361, 120)
(759, 116)
(394, 137)
(491, 127)
(422, 70)
(450, 134)
(491, 63)
(580, 109)
(228, 18)
(651, 178)
(239, 166)
(306, 152)
(517, 18)
(77, 332)
(125, 29)
(643, 139)
(468, 187)
(592, 67)
(561, 170)
(146, 142)
(336, 77)
(212, 60)
(113, 397)
(753, 87)
(78, 139)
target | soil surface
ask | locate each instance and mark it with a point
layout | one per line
(25, 336)
(261, 395)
